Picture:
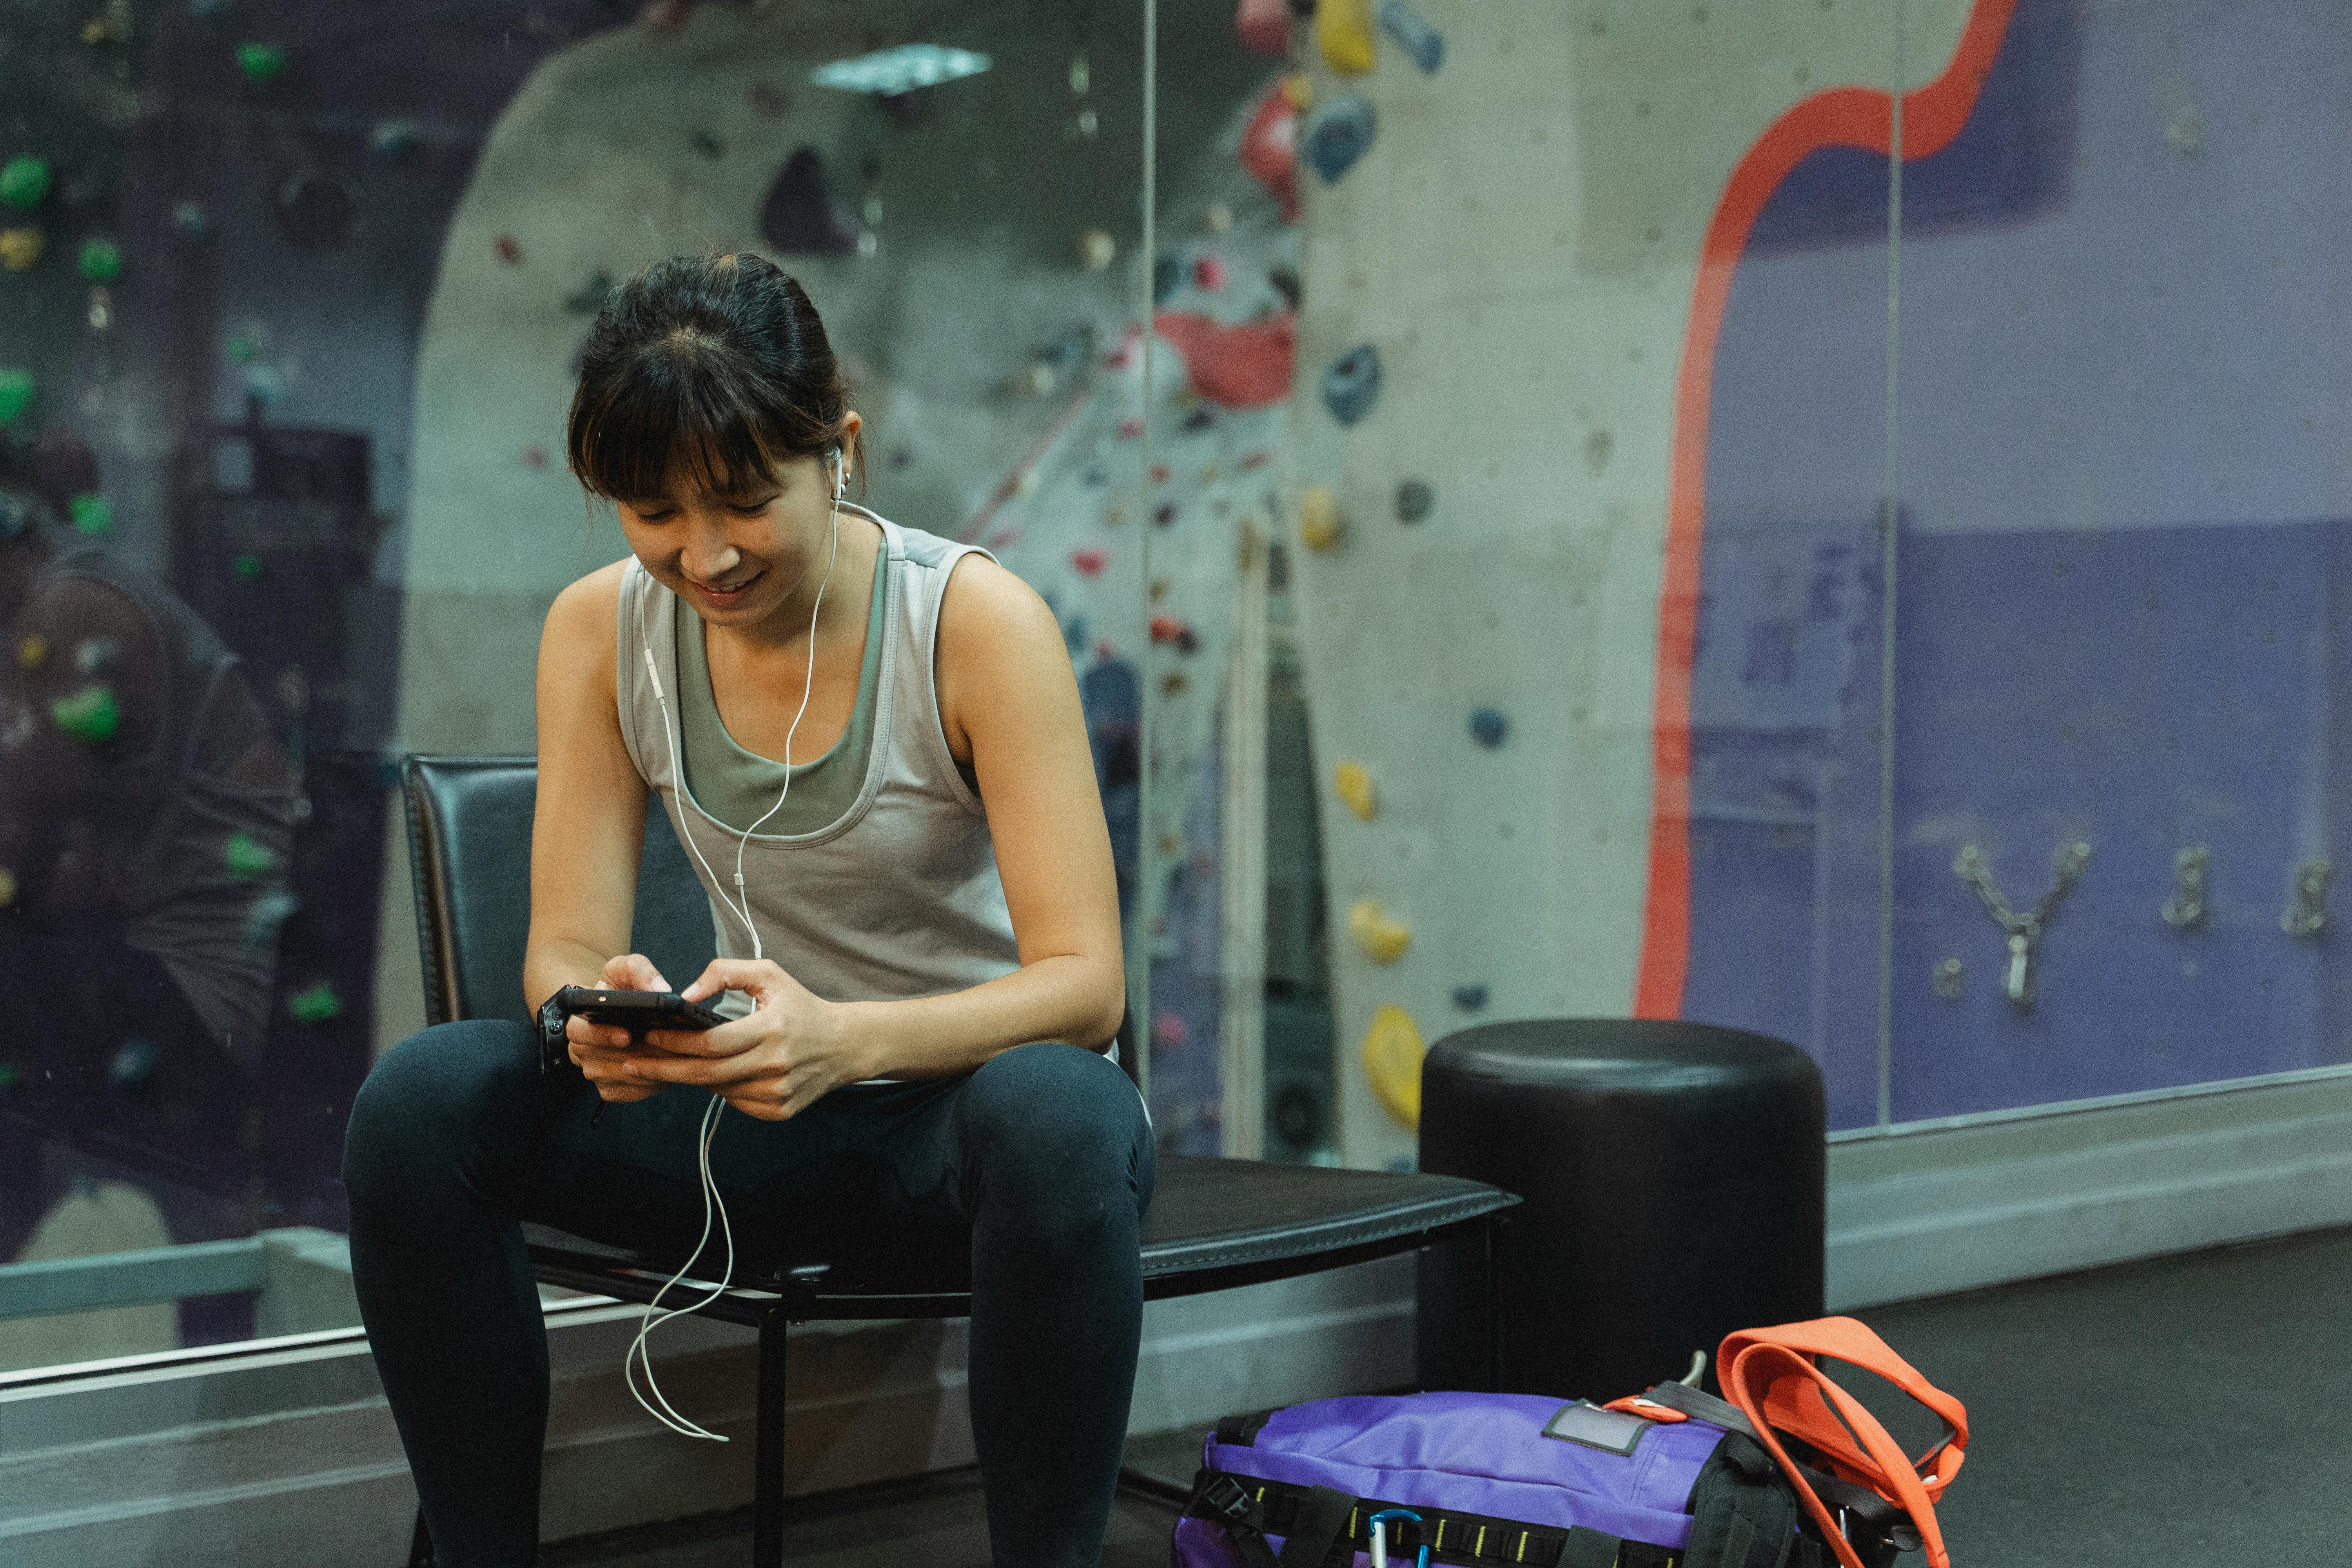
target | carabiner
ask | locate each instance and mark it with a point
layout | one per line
(1379, 1523)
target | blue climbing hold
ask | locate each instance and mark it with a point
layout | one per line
(1338, 133)
(1352, 383)
(1415, 35)
(133, 1064)
(1470, 999)
(1487, 727)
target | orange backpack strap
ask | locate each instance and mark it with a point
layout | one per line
(1770, 1374)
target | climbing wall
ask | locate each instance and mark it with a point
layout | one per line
(1529, 249)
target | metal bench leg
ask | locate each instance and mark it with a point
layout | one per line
(768, 1448)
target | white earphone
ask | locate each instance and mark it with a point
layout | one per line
(638, 1351)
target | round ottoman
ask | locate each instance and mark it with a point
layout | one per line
(1672, 1174)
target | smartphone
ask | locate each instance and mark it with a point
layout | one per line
(636, 1011)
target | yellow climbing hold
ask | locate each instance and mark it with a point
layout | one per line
(32, 652)
(1343, 31)
(19, 247)
(1355, 787)
(1392, 1050)
(1382, 939)
(1299, 91)
(7, 887)
(1318, 518)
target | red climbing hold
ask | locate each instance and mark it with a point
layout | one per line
(1088, 562)
(1159, 473)
(1270, 149)
(1208, 272)
(509, 248)
(1264, 25)
(1129, 428)
(1243, 366)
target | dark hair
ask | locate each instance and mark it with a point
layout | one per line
(717, 362)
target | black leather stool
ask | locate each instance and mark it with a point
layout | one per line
(1672, 1176)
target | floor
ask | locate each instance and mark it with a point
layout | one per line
(2189, 1409)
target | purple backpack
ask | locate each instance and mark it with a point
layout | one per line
(1490, 1479)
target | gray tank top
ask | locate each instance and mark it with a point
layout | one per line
(743, 789)
(898, 895)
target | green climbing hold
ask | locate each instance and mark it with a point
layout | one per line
(11, 1075)
(242, 348)
(91, 514)
(246, 568)
(91, 714)
(261, 62)
(23, 181)
(15, 394)
(247, 858)
(315, 1003)
(101, 260)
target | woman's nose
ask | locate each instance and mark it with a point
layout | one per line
(706, 555)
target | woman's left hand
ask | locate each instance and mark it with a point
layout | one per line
(790, 1052)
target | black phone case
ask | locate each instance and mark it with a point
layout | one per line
(636, 1010)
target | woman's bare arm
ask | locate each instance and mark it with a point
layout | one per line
(588, 826)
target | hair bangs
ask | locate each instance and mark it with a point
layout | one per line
(677, 413)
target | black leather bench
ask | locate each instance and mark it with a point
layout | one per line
(1213, 1223)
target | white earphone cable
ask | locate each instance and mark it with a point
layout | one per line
(639, 1352)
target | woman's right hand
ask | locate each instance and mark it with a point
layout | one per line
(600, 1050)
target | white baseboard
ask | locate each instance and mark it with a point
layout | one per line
(1936, 1208)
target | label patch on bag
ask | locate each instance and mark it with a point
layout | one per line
(1610, 1431)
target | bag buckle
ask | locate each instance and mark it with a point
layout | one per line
(1227, 1501)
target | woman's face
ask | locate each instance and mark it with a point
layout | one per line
(738, 559)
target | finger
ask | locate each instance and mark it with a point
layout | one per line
(726, 1040)
(710, 1072)
(634, 972)
(755, 977)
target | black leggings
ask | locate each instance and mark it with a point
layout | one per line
(1031, 1174)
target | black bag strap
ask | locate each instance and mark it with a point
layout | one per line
(1322, 1517)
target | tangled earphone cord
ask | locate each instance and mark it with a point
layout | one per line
(639, 1352)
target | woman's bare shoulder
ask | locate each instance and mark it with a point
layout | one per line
(581, 624)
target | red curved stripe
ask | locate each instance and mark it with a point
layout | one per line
(1842, 117)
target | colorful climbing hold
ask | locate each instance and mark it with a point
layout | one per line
(131, 1064)
(392, 138)
(1165, 516)
(1413, 499)
(1338, 133)
(20, 248)
(1217, 217)
(1097, 249)
(315, 1003)
(1262, 26)
(91, 714)
(1354, 784)
(245, 856)
(1352, 383)
(801, 216)
(1487, 727)
(590, 296)
(1165, 275)
(1320, 525)
(7, 887)
(100, 260)
(16, 393)
(509, 250)
(244, 568)
(1088, 562)
(709, 146)
(1170, 629)
(260, 62)
(11, 1075)
(1414, 35)
(1247, 364)
(93, 655)
(1382, 939)
(1343, 32)
(1470, 999)
(32, 651)
(1208, 272)
(23, 181)
(1174, 682)
(191, 219)
(1392, 1052)
(91, 513)
(1269, 151)
(1170, 1031)
(269, 910)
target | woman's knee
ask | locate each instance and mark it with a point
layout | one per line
(437, 1097)
(1056, 1118)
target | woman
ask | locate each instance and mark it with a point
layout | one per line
(926, 893)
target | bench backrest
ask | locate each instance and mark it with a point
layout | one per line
(469, 822)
